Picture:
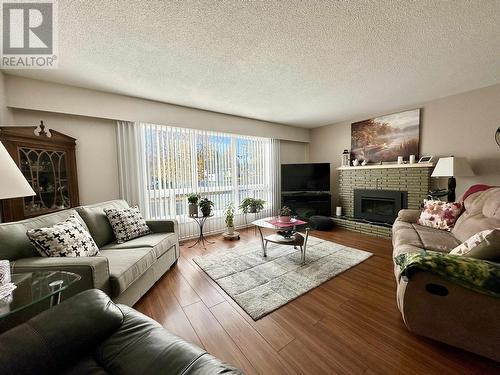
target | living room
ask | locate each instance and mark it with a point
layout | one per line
(211, 160)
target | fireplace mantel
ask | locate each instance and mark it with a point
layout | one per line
(386, 166)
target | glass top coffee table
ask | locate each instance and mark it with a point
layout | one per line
(33, 287)
(286, 234)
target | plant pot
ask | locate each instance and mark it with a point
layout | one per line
(285, 219)
(193, 209)
(206, 212)
(252, 210)
(230, 230)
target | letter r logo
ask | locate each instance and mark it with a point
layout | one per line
(27, 28)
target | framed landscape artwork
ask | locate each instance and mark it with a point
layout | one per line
(384, 138)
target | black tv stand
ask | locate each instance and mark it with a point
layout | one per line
(305, 204)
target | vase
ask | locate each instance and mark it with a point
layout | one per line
(284, 219)
(193, 209)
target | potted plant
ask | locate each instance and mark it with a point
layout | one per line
(229, 212)
(206, 205)
(193, 204)
(285, 214)
(252, 205)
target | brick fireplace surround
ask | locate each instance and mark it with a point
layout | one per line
(413, 178)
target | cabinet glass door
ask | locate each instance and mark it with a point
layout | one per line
(47, 173)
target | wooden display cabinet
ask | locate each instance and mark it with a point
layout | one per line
(47, 160)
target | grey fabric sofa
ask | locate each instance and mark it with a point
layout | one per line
(89, 334)
(124, 271)
(457, 315)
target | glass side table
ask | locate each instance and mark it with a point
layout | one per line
(33, 287)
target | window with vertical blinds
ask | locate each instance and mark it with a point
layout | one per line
(225, 168)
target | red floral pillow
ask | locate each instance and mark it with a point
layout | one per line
(440, 215)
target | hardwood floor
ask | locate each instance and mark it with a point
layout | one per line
(348, 325)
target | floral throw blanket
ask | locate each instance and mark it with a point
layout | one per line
(479, 275)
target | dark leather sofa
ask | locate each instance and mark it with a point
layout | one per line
(89, 334)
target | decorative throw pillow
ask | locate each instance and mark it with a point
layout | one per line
(127, 223)
(440, 215)
(483, 245)
(68, 238)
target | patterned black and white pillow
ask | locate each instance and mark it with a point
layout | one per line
(127, 223)
(68, 238)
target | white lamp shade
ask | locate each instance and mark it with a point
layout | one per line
(12, 182)
(451, 167)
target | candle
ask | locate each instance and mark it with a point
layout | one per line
(338, 211)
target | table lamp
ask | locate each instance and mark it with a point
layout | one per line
(450, 167)
(12, 182)
(12, 185)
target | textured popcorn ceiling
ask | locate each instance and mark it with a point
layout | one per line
(304, 63)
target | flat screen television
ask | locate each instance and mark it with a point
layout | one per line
(305, 177)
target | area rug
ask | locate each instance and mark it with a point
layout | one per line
(261, 285)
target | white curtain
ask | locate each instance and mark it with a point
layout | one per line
(160, 165)
(130, 161)
(275, 176)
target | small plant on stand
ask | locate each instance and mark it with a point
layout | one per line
(229, 213)
(252, 205)
(193, 204)
(230, 234)
(206, 205)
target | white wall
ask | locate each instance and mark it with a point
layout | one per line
(96, 154)
(5, 113)
(294, 152)
(459, 125)
(32, 94)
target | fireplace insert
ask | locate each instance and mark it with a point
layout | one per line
(379, 206)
